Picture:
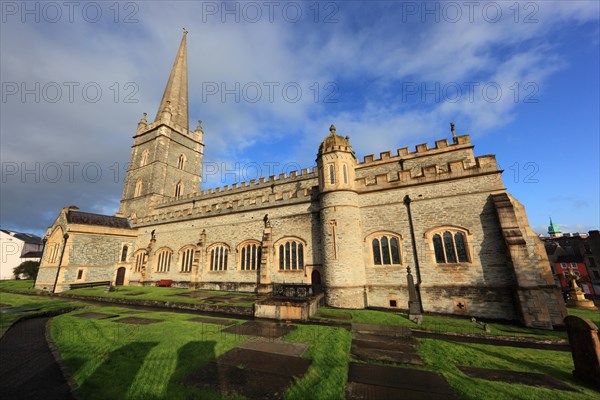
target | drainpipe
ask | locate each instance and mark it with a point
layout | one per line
(407, 201)
(62, 253)
(44, 240)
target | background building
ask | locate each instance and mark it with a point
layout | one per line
(16, 248)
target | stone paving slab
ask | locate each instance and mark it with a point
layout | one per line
(17, 309)
(264, 329)
(524, 378)
(278, 364)
(392, 383)
(386, 356)
(395, 344)
(138, 321)
(387, 330)
(95, 315)
(214, 321)
(269, 346)
(251, 373)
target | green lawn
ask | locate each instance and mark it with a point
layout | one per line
(45, 304)
(21, 284)
(448, 324)
(164, 294)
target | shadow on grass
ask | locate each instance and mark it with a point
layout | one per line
(113, 378)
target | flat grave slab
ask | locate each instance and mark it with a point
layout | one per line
(95, 315)
(269, 346)
(340, 317)
(17, 309)
(524, 378)
(387, 330)
(251, 373)
(386, 356)
(135, 294)
(138, 321)
(376, 381)
(406, 344)
(214, 321)
(194, 295)
(264, 329)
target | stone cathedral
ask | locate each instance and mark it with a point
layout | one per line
(349, 227)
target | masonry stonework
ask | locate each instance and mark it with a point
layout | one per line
(342, 225)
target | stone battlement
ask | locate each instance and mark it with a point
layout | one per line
(421, 150)
(221, 206)
(430, 173)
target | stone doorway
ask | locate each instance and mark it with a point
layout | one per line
(315, 280)
(120, 277)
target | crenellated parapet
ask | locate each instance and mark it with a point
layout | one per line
(421, 150)
(221, 205)
(484, 165)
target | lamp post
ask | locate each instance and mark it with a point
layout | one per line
(62, 253)
(407, 202)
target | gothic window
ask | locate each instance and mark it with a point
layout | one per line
(138, 189)
(186, 257)
(144, 159)
(218, 258)
(124, 253)
(179, 189)
(450, 247)
(291, 255)
(345, 170)
(331, 174)
(386, 250)
(139, 261)
(250, 256)
(163, 262)
(181, 162)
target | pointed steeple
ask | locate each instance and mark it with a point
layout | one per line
(175, 96)
(553, 229)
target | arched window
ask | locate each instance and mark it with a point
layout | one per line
(250, 256)
(144, 159)
(163, 260)
(450, 246)
(181, 162)
(218, 255)
(138, 189)
(386, 249)
(124, 253)
(139, 260)
(331, 174)
(186, 257)
(291, 255)
(179, 189)
(345, 174)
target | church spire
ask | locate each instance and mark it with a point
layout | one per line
(175, 96)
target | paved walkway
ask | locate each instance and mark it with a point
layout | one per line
(28, 369)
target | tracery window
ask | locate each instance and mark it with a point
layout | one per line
(186, 257)
(218, 258)
(386, 250)
(139, 260)
(250, 256)
(163, 263)
(291, 255)
(450, 246)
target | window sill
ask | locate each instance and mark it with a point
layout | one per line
(290, 270)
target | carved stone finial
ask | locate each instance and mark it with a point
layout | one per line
(168, 107)
(199, 127)
(143, 123)
(332, 129)
(185, 31)
(452, 129)
(408, 270)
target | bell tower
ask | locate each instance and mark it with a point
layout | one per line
(166, 157)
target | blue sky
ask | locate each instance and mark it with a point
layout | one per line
(522, 79)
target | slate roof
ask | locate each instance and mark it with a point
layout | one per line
(25, 237)
(85, 218)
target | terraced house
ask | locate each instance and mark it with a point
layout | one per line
(347, 226)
